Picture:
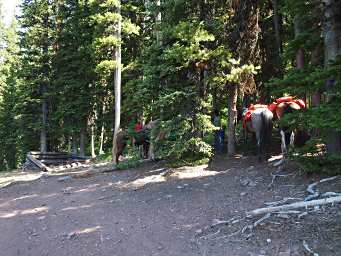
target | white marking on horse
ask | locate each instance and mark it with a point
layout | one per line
(283, 145)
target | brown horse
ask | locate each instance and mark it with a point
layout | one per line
(121, 143)
(289, 137)
(143, 138)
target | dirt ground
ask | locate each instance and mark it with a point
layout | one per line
(153, 210)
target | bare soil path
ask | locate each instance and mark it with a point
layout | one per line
(152, 210)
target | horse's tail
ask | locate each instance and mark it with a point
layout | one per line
(266, 129)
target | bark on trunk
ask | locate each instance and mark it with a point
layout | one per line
(233, 93)
(332, 37)
(101, 151)
(117, 89)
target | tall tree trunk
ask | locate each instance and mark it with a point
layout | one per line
(117, 88)
(316, 60)
(82, 138)
(158, 23)
(101, 142)
(74, 144)
(43, 132)
(93, 152)
(277, 27)
(232, 118)
(332, 46)
(246, 44)
(299, 54)
(101, 151)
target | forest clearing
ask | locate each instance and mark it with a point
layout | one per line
(153, 210)
(170, 127)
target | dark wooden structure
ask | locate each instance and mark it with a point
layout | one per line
(49, 160)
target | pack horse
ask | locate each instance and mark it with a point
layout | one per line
(258, 119)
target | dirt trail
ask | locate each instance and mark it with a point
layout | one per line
(155, 211)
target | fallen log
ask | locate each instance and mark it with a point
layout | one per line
(330, 200)
(49, 160)
(42, 166)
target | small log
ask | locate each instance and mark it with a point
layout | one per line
(330, 200)
(52, 157)
(55, 161)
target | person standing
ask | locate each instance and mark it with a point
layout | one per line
(221, 136)
(217, 124)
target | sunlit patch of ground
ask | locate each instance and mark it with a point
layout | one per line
(16, 176)
(5, 215)
(181, 173)
(84, 171)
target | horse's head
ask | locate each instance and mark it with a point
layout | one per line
(286, 105)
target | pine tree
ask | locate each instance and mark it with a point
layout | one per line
(36, 48)
(73, 73)
(9, 82)
(107, 44)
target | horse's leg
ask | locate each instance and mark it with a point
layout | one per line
(145, 150)
(259, 145)
(151, 152)
(140, 148)
(245, 135)
(283, 143)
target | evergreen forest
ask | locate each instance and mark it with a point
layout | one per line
(75, 72)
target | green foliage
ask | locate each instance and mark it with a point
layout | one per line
(178, 139)
(106, 157)
(323, 117)
(312, 158)
(132, 158)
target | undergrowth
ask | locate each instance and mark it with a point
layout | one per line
(317, 160)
